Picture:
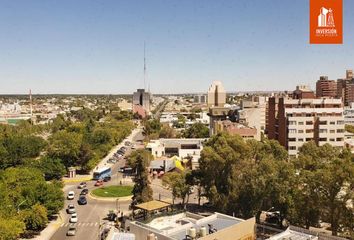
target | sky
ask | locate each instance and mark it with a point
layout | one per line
(97, 47)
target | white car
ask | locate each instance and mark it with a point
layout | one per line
(71, 195)
(73, 218)
(71, 208)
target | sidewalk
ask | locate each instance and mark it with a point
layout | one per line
(51, 228)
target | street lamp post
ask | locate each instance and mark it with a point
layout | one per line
(18, 206)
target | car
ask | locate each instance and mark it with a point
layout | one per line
(71, 195)
(99, 183)
(72, 230)
(84, 191)
(111, 160)
(71, 209)
(208, 204)
(82, 200)
(133, 146)
(127, 143)
(82, 185)
(107, 178)
(73, 218)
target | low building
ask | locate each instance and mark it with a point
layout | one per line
(292, 234)
(236, 128)
(181, 147)
(192, 226)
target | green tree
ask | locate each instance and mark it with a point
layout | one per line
(35, 218)
(197, 130)
(52, 168)
(139, 160)
(10, 229)
(65, 146)
(177, 182)
(166, 132)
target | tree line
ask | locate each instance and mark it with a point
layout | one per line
(33, 159)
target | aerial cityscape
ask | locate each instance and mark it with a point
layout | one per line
(174, 120)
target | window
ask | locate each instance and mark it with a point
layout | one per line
(292, 148)
(308, 139)
(339, 139)
(323, 123)
(300, 139)
(301, 131)
(340, 130)
(323, 139)
(332, 123)
(301, 123)
(332, 131)
(309, 130)
(331, 140)
(309, 123)
(292, 139)
(323, 130)
(292, 122)
(292, 130)
(340, 122)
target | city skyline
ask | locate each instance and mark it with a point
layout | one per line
(90, 47)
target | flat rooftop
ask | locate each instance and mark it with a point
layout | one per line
(293, 235)
(175, 227)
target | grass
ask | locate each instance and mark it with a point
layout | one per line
(113, 191)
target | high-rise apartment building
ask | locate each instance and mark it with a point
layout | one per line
(303, 91)
(216, 95)
(295, 121)
(141, 102)
(345, 88)
(326, 88)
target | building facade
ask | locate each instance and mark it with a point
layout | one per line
(237, 128)
(216, 95)
(326, 88)
(141, 100)
(345, 88)
(295, 121)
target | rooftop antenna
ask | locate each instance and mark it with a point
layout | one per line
(144, 67)
(31, 109)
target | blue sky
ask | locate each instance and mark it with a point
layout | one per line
(68, 46)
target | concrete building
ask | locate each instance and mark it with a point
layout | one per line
(303, 91)
(253, 113)
(295, 121)
(141, 99)
(348, 114)
(187, 225)
(200, 98)
(326, 88)
(216, 95)
(180, 147)
(217, 114)
(345, 88)
(292, 234)
(236, 128)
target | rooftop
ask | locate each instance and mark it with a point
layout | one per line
(293, 235)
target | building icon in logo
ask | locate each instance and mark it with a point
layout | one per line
(325, 19)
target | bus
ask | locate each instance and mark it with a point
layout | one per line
(102, 173)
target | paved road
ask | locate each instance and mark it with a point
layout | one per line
(93, 214)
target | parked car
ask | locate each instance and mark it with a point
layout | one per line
(82, 200)
(82, 185)
(71, 195)
(73, 218)
(107, 178)
(207, 204)
(72, 230)
(71, 209)
(84, 191)
(127, 143)
(111, 160)
(99, 183)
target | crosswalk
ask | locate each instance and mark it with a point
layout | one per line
(81, 224)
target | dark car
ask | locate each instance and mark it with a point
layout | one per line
(107, 178)
(84, 191)
(82, 200)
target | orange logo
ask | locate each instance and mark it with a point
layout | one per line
(326, 22)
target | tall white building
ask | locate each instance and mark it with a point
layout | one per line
(216, 95)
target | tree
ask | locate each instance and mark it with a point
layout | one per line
(35, 218)
(52, 197)
(140, 161)
(197, 130)
(10, 229)
(166, 132)
(65, 146)
(178, 184)
(52, 168)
